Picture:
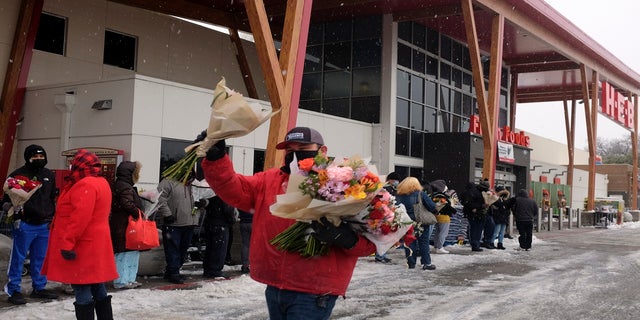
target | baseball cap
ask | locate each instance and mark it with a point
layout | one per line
(301, 135)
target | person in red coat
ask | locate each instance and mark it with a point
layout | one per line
(297, 287)
(80, 251)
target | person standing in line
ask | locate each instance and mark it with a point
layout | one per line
(125, 203)
(246, 220)
(80, 250)
(31, 227)
(501, 212)
(180, 215)
(438, 189)
(525, 211)
(297, 287)
(409, 193)
(488, 230)
(218, 219)
(474, 210)
(391, 185)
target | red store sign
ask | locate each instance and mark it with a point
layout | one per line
(616, 106)
(504, 134)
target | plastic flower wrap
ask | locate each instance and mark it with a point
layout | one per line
(149, 201)
(489, 197)
(20, 189)
(232, 116)
(319, 187)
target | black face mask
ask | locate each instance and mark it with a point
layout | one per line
(38, 163)
(300, 155)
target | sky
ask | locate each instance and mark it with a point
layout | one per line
(612, 24)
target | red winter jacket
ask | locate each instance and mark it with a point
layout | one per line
(81, 224)
(319, 275)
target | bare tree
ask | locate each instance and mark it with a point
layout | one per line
(614, 150)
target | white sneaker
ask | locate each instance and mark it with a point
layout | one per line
(441, 250)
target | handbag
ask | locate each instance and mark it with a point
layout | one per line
(141, 234)
(423, 215)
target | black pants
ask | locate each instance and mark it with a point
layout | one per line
(216, 238)
(525, 228)
(489, 227)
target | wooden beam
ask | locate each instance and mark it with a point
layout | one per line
(634, 149)
(495, 72)
(594, 133)
(513, 100)
(247, 77)
(184, 9)
(542, 67)
(570, 128)
(15, 81)
(428, 12)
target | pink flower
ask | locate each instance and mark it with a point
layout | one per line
(336, 173)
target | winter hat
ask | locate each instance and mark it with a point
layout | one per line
(32, 150)
(438, 186)
(393, 176)
(499, 188)
(301, 135)
(484, 185)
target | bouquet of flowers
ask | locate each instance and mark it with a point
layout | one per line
(489, 197)
(231, 116)
(20, 189)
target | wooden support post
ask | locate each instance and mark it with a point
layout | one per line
(247, 77)
(570, 128)
(590, 136)
(634, 153)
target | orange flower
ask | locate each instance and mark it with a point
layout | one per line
(355, 191)
(306, 164)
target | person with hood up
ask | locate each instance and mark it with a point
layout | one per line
(31, 227)
(125, 203)
(296, 287)
(525, 210)
(475, 210)
(80, 251)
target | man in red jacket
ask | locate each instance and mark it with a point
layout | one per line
(297, 287)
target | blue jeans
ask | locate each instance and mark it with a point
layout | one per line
(245, 234)
(86, 293)
(292, 305)
(422, 244)
(31, 238)
(127, 266)
(176, 242)
(475, 232)
(499, 232)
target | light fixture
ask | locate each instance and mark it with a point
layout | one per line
(102, 105)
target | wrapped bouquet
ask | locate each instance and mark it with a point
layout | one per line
(20, 189)
(231, 116)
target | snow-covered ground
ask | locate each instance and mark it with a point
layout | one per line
(570, 275)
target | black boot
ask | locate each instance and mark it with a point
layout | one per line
(500, 246)
(84, 311)
(103, 309)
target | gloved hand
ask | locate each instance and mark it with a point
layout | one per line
(169, 219)
(340, 236)
(217, 151)
(200, 203)
(201, 136)
(68, 254)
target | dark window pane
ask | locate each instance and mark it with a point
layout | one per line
(366, 82)
(417, 89)
(367, 53)
(445, 73)
(432, 67)
(418, 173)
(485, 66)
(171, 151)
(430, 119)
(315, 34)
(466, 82)
(313, 59)
(336, 107)
(445, 49)
(417, 143)
(402, 171)
(336, 31)
(402, 112)
(445, 122)
(418, 61)
(120, 50)
(431, 93)
(404, 55)
(456, 124)
(465, 125)
(466, 105)
(52, 31)
(432, 41)
(466, 59)
(402, 84)
(503, 99)
(457, 102)
(456, 77)
(402, 141)
(366, 109)
(419, 35)
(311, 86)
(336, 84)
(416, 116)
(504, 78)
(337, 56)
(404, 30)
(445, 103)
(456, 53)
(313, 105)
(258, 160)
(502, 118)
(367, 27)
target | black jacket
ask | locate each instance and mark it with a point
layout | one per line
(524, 209)
(473, 201)
(125, 202)
(218, 213)
(39, 209)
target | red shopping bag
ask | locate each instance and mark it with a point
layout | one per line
(141, 234)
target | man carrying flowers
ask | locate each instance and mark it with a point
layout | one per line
(297, 287)
(31, 224)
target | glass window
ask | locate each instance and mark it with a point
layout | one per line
(336, 84)
(315, 34)
(402, 112)
(432, 41)
(402, 141)
(466, 105)
(402, 171)
(120, 50)
(417, 142)
(465, 125)
(445, 48)
(418, 61)
(445, 122)
(419, 35)
(258, 160)
(504, 78)
(171, 150)
(311, 86)
(366, 82)
(367, 27)
(416, 116)
(337, 56)
(417, 89)
(430, 119)
(52, 32)
(313, 105)
(466, 59)
(456, 77)
(366, 109)
(418, 173)
(456, 123)
(466, 82)
(313, 59)
(457, 102)
(404, 30)
(445, 102)
(337, 31)
(404, 55)
(432, 67)
(502, 118)
(336, 107)
(367, 53)
(445, 73)
(503, 99)
(402, 84)
(431, 93)
(456, 53)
